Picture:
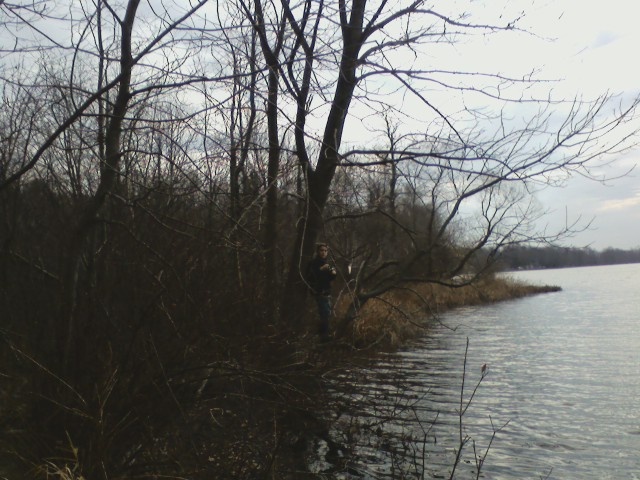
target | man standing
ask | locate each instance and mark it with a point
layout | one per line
(320, 274)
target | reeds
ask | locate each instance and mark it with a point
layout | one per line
(401, 313)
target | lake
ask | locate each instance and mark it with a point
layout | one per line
(559, 395)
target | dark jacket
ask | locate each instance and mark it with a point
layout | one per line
(319, 280)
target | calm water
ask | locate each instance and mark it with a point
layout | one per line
(563, 387)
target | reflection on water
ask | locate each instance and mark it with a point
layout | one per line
(563, 381)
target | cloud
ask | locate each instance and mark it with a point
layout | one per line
(620, 204)
(605, 38)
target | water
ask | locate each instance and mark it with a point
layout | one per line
(561, 389)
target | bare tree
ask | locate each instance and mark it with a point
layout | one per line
(323, 66)
(184, 159)
(365, 46)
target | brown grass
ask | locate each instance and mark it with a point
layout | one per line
(402, 313)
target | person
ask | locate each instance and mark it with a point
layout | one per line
(320, 274)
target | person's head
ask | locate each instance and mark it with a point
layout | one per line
(322, 250)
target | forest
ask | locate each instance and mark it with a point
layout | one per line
(166, 169)
(523, 257)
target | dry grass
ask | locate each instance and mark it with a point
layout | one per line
(401, 313)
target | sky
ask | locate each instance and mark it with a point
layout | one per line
(592, 46)
(587, 49)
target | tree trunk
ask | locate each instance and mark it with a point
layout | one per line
(320, 179)
(271, 227)
(108, 177)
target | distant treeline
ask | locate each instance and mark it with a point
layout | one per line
(520, 257)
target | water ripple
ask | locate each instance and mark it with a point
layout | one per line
(563, 381)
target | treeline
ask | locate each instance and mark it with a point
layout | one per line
(520, 257)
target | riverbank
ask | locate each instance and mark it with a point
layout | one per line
(402, 313)
(239, 406)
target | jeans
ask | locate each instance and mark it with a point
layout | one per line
(324, 310)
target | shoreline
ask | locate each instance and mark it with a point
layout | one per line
(400, 314)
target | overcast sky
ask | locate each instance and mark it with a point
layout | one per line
(595, 50)
(592, 45)
(587, 49)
